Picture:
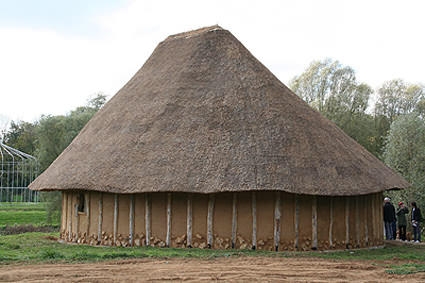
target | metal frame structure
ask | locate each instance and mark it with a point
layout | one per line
(17, 171)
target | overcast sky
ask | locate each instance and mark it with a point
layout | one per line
(55, 55)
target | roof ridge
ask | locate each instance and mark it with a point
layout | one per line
(194, 32)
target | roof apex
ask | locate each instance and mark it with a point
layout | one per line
(194, 32)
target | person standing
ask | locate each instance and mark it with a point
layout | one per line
(416, 221)
(401, 220)
(389, 218)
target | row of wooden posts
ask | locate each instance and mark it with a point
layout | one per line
(210, 213)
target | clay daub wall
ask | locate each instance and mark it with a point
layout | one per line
(246, 220)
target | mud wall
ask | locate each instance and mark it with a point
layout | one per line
(178, 220)
(222, 221)
(287, 231)
(244, 221)
(94, 213)
(199, 220)
(260, 220)
(139, 219)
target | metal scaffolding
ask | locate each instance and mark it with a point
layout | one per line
(17, 171)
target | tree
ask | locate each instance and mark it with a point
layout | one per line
(314, 85)
(21, 135)
(55, 133)
(333, 90)
(397, 98)
(97, 102)
(50, 139)
(405, 153)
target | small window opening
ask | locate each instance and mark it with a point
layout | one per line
(81, 203)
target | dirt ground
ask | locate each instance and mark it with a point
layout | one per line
(243, 269)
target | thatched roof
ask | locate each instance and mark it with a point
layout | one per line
(203, 115)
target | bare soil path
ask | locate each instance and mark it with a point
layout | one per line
(243, 269)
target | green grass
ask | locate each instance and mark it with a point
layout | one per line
(407, 268)
(39, 247)
(388, 253)
(13, 214)
(43, 248)
(22, 206)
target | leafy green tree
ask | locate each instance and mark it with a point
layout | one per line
(405, 153)
(97, 102)
(333, 90)
(420, 108)
(315, 83)
(381, 127)
(397, 98)
(347, 108)
(50, 136)
(21, 135)
(414, 94)
(55, 133)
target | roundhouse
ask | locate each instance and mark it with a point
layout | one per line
(205, 147)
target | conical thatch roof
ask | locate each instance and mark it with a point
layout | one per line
(203, 115)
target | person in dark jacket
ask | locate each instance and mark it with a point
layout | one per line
(416, 217)
(389, 218)
(401, 213)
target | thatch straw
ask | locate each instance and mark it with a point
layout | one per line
(203, 115)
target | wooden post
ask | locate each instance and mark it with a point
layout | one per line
(374, 224)
(64, 212)
(64, 221)
(381, 217)
(147, 219)
(69, 215)
(297, 219)
(366, 219)
(87, 204)
(347, 222)
(131, 220)
(115, 218)
(210, 216)
(69, 208)
(380, 221)
(357, 219)
(277, 221)
(168, 236)
(314, 222)
(254, 220)
(189, 221)
(77, 224)
(331, 221)
(381, 231)
(234, 219)
(100, 219)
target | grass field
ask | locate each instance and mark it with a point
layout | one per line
(37, 247)
(22, 213)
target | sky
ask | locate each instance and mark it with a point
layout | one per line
(57, 54)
